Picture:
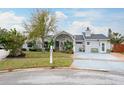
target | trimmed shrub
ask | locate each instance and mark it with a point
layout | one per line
(108, 50)
(94, 50)
(80, 49)
(32, 49)
(35, 49)
(19, 56)
(24, 49)
(69, 51)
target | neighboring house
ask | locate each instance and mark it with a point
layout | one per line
(86, 42)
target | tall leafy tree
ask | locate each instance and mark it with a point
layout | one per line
(12, 40)
(42, 22)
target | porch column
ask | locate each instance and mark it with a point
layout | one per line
(74, 45)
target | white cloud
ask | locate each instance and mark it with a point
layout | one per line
(100, 30)
(60, 15)
(107, 20)
(77, 27)
(89, 15)
(11, 20)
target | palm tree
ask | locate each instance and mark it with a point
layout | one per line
(116, 38)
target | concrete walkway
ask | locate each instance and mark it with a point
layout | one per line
(97, 61)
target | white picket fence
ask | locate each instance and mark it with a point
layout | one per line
(3, 53)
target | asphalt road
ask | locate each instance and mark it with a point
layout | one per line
(61, 77)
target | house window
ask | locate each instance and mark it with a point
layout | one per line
(46, 44)
(88, 43)
(57, 45)
(78, 42)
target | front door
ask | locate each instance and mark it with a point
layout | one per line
(61, 46)
(57, 45)
(103, 48)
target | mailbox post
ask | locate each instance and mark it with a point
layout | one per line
(51, 54)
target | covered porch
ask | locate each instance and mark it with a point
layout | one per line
(61, 38)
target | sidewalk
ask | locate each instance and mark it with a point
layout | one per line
(118, 55)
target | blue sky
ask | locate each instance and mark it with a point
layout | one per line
(72, 20)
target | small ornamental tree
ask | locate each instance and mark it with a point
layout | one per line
(50, 43)
(12, 41)
(68, 47)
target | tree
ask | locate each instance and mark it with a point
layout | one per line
(12, 41)
(2, 33)
(42, 22)
(2, 30)
(116, 38)
(50, 43)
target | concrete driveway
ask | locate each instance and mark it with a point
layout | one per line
(97, 61)
(101, 56)
(60, 77)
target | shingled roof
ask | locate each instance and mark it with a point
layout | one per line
(96, 36)
(79, 37)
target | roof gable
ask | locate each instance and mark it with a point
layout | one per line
(63, 32)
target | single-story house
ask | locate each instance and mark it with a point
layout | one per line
(86, 42)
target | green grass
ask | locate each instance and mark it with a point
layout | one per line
(46, 55)
(37, 59)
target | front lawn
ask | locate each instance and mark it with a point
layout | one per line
(46, 55)
(37, 59)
